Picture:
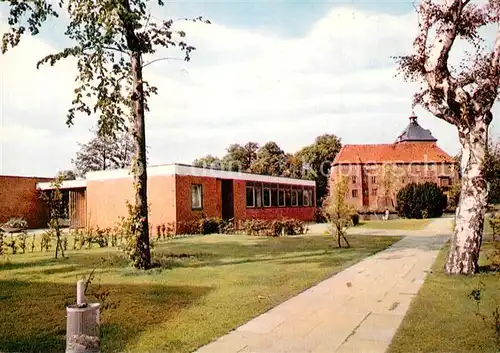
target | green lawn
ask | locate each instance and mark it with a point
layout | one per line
(443, 318)
(402, 224)
(208, 285)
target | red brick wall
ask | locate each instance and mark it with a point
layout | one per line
(415, 172)
(20, 198)
(241, 212)
(106, 200)
(211, 198)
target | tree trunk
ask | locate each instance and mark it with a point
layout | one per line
(469, 219)
(140, 174)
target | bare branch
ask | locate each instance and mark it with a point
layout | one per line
(160, 59)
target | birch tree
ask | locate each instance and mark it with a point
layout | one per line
(462, 96)
(337, 210)
(111, 39)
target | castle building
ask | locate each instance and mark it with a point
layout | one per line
(376, 172)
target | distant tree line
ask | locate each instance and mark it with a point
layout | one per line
(312, 162)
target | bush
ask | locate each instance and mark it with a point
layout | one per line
(417, 200)
(19, 223)
(355, 219)
(273, 228)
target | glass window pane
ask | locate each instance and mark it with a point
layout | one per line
(250, 196)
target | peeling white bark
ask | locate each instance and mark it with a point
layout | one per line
(446, 96)
(469, 219)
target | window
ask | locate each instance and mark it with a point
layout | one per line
(307, 197)
(374, 180)
(258, 196)
(374, 192)
(281, 198)
(300, 197)
(365, 192)
(274, 195)
(295, 198)
(250, 196)
(354, 179)
(444, 181)
(266, 197)
(365, 179)
(288, 197)
(354, 193)
(196, 197)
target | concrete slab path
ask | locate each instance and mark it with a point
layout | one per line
(357, 310)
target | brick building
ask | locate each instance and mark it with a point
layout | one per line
(19, 198)
(179, 193)
(376, 172)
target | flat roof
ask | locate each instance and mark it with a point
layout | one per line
(178, 169)
(66, 184)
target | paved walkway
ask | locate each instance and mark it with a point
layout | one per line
(357, 310)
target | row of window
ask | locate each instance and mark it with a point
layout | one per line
(443, 182)
(264, 195)
(354, 193)
(354, 179)
(277, 195)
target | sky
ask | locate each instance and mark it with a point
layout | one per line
(283, 71)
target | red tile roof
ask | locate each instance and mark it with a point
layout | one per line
(407, 152)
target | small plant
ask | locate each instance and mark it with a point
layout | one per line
(338, 211)
(493, 319)
(101, 236)
(99, 293)
(22, 241)
(33, 243)
(1, 243)
(46, 241)
(163, 230)
(158, 232)
(12, 245)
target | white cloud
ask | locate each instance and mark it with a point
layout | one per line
(241, 85)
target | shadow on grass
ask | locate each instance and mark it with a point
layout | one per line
(33, 313)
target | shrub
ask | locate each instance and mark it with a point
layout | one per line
(494, 221)
(273, 228)
(209, 225)
(1, 243)
(453, 197)
(417, 200)
(16, 222)
(355, 219)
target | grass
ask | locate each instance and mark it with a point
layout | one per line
(397, 224)
(207, 285)
(443, 317)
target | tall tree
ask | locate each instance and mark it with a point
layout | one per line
(294, 166)
(240, 158)
(110, 40)
(391, 180)
(208, 161)
(104, 153)
(270, 160)
(318, 158)
(66, 175)
(463, 97)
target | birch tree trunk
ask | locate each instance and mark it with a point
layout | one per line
(469, 219)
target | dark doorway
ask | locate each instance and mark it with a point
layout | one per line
(227, 199)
